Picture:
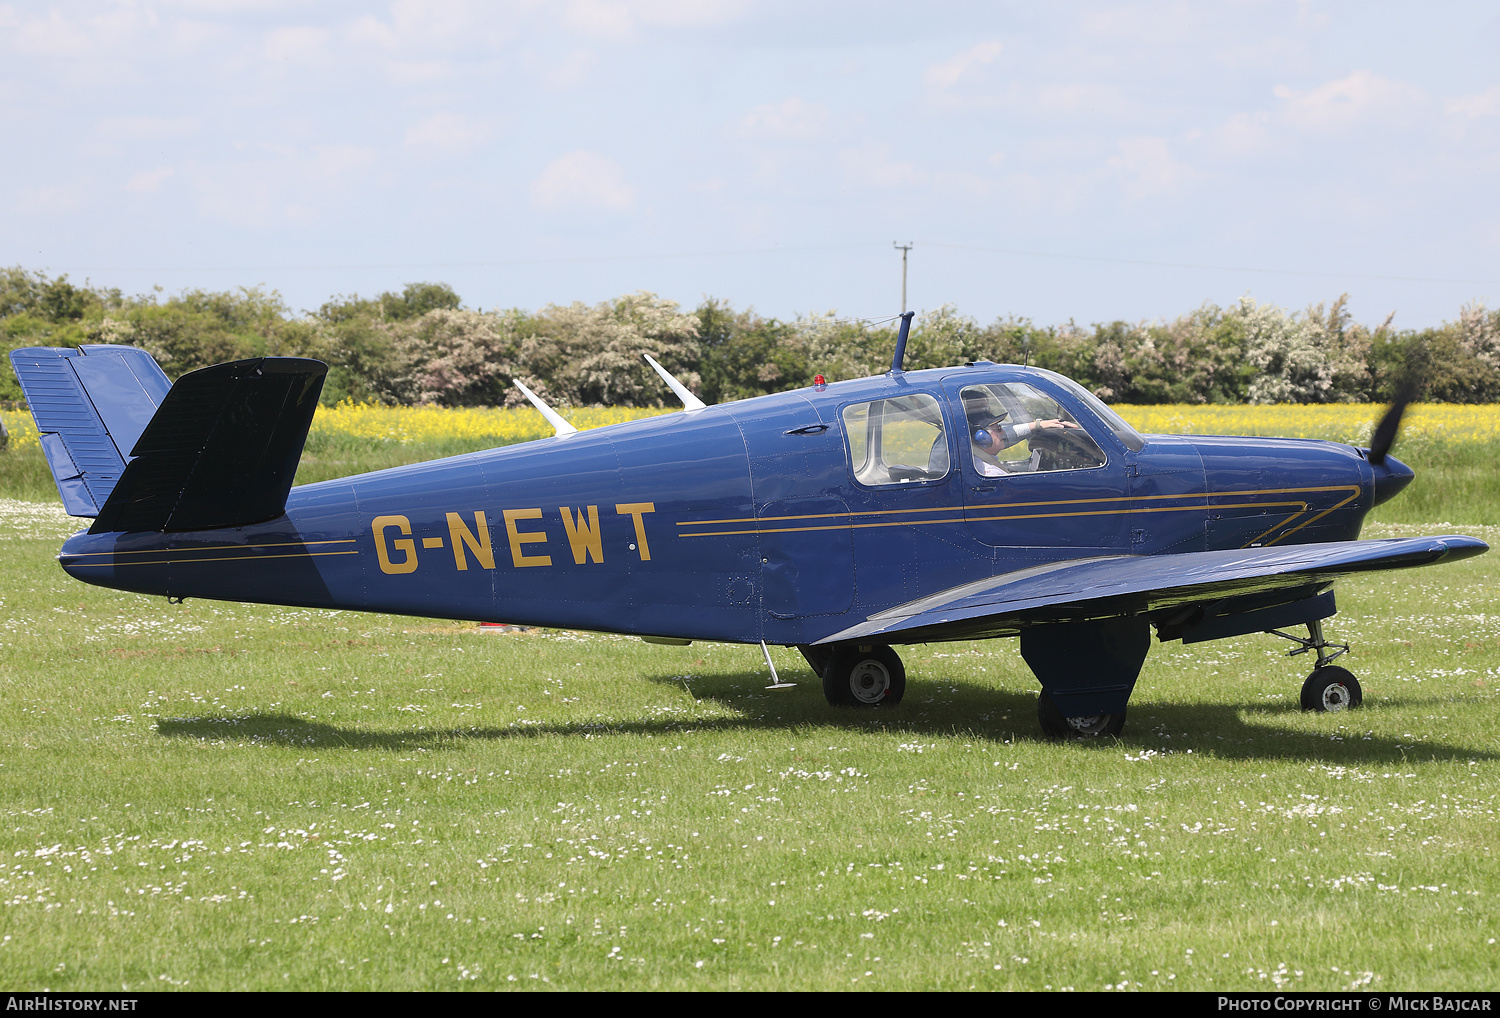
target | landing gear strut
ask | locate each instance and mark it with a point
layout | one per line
(1087, 671)
(1329, 687)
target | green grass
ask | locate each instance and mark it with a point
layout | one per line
(1455, 481)
(328, 455)
(220, 796)
(24, 475)
(224, 796)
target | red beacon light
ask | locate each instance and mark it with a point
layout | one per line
(819, 381)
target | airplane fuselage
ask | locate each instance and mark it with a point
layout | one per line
(748, 521)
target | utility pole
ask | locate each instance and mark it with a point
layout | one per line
(903, 248)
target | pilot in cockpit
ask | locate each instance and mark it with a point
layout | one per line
(990, 434)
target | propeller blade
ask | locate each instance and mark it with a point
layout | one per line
(1385, 432)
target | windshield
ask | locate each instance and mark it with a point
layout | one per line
(1128, 436)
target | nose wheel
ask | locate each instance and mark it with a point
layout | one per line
(1329, 688)
(864, 676)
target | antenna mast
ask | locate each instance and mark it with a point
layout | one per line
(906, 317)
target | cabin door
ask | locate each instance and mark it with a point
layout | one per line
(806, 551)
(1039, 482)
(906, 513)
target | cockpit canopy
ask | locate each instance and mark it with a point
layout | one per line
(1004, 427)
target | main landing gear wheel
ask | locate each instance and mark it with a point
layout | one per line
(1332, 689)
(1094, 726)
(864, 676)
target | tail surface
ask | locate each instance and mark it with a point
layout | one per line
(217, 449)
(91, 406)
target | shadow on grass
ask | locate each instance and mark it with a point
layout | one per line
(944, 708)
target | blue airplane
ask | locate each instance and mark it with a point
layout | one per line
(843, 519)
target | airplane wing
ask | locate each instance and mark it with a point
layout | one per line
(1220, 583)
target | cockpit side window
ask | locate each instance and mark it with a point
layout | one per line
(896, 441)
(1016, 428)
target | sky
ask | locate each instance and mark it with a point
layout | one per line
(1061, 161)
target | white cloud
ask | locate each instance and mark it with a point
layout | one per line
(688, 12)
(580, 181)
(1107, 100)
(1306, 16)
(1481, 104)
(232, 6)
(191, 36)
(237, 194)
(51, 200)
(1262, 53)
(113, 43)
(947, 73)
(147, 128)
(572, 69)
(1245, 133)
(618, 19)
(1361, 98)
(874, 165)
(149, 181)
(418, 72)
(954, 183)
(67, 36)
(600, 17)
(374, 33)
(448, 133)
(436, 26)
(52, 36)
(297, 45)
(1151, 23)
(791, 119)
(285, 186)
(336, 164)
(1149, 167)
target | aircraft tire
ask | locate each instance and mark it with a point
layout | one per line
(1055, 726)
(1331, 688)
(868, 676)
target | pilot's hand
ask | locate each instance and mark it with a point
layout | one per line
(1054, 423)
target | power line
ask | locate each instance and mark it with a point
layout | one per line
(501, 263)
(1208, 267)
(797, 249)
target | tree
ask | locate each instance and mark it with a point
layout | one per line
(742, 354)
(598, 349)
(1287, 352)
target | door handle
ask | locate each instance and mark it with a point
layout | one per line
(811, 429)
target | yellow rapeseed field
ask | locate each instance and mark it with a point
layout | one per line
(423, 424)
(430, 424)
(1340, 422)
(413, 425)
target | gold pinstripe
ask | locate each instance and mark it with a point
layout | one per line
(218, 547)
(1200, 500)
(195, 561)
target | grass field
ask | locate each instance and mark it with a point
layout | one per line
(215, 796)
